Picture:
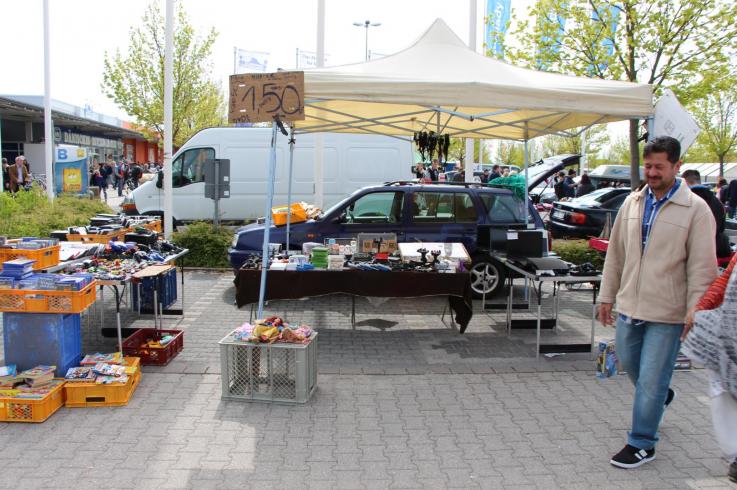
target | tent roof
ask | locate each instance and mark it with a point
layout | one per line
(440, 84)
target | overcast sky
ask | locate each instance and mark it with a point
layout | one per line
(83, 30)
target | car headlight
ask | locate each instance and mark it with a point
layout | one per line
(234, 242)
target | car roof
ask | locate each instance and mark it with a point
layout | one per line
(446, 186)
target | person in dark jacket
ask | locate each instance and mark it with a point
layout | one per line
(693, 179)
(585, 186)
(731, 198)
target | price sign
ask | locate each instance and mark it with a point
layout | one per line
(260, 97)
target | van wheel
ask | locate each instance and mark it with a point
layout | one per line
(487, 276)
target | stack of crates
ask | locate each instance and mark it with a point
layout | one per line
(166, 290)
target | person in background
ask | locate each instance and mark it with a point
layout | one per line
(721, 189)
(693, 179)
(585, 186)
(569, 185)
(660, 261)
(6, 177)
(434, 170)
(419, 171)
(98, 179)
(107, 170)
(136, 174)
(723, 403)
(505, 172)
(486, 176)
(558, 187)
(18, 175)
(460, 176)
(731, 199)
(495, 173)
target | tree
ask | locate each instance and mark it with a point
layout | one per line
(558, 145)
(135, 81)
(666, 43)
(716, 113)
(510, 153)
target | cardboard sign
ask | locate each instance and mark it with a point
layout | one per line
(671, 119)
(261, 97)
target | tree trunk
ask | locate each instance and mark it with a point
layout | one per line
(721, 166)
(634, 155)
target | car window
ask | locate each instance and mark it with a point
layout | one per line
(596, 197)
(503, 208)
(377, 207)
(189, 167)
(443, 207)
(615, 203)
(465, 211)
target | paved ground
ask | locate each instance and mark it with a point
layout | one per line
(403, 401)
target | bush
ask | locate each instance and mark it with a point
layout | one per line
(31, 214)
(578, 252)
(208, 246)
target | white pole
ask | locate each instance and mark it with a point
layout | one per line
(48, 128)
(168, 119)
(527, 175)
(320, 62)
(584, 163)
(468, 164)
(267, 224)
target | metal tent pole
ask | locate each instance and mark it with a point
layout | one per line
(267, 223)
(289, 188)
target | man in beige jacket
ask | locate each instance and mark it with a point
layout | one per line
(661, 259)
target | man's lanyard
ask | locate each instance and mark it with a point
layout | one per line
(652, 208)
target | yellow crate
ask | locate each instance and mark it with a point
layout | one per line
(116, 237)
(39, 301)
(279, 214)
(79, 395)
(44, 257)
(32, 409)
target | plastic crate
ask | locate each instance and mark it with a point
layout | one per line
(154, 226)
(157, 356)
(44, 257)
(278, 372)
(79, 394)
(166, 285)
(32, 409)
(279, 214)
(31, 339)
(37, 301)
(115, 236)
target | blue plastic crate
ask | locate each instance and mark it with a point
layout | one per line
(167, 290)
(31, 339)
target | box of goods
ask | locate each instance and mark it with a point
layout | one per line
(28, 298)
(45, 253)
(113, 385)
(279, 214)
(319, 257)
(271, 372)
(36, 405)
(335, 262)
(377, 242)
(606, 359)
(31, 339)
(153, 346)
(166, 290)
(103, 236)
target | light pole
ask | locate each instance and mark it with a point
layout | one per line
(367, 24)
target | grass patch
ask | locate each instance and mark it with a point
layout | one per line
(578, 252)
(31, 214)
(208, 246)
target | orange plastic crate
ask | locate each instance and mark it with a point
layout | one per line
(44, 257)
(279, 214)
(154, 226)
(37, 301)
(117, 236)
(79, 395)
(32, 409)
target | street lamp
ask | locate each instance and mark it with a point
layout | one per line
(367, 24)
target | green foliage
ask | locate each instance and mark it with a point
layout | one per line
(31, 214)
(136, 81)
(208, 246)
(666, 43)
(578, 252)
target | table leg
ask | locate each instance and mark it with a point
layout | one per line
(102, 304)
(353, 312)
(450, 313)
(117, 318)
(593, 319)
(538, 292)
(510, 297)
(156, 309)
(556, 304)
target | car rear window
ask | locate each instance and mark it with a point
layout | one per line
(596, 197)
(503, 208)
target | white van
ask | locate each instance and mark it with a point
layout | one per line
(350, 161)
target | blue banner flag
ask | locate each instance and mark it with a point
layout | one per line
(497, 18)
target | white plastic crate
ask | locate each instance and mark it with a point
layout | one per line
(278, 372)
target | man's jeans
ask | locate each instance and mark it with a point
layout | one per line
(647, 352)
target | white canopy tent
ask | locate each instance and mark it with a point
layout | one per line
(440, 84)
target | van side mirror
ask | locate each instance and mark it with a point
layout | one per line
(160, 179)
(340, 218)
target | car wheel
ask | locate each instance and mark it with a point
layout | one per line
(487, 276)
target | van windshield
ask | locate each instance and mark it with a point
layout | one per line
(337, 205)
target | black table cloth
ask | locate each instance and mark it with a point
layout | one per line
(304, 284)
